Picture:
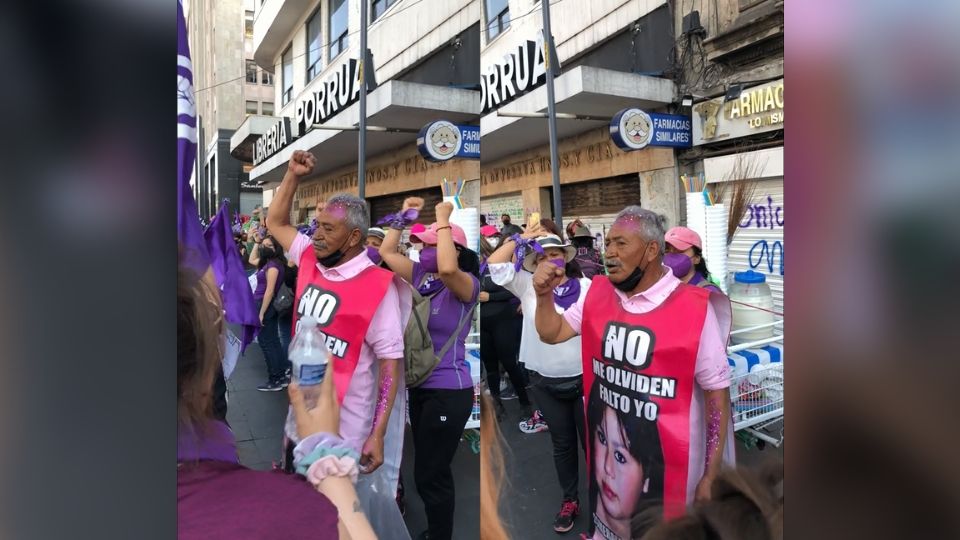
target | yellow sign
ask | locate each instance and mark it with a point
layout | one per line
(758, 109)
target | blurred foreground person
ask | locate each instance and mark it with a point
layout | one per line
(219, 498)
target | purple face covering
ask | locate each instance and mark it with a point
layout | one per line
(428, 260)
(374, 254)
(679, 263)
(560, 263)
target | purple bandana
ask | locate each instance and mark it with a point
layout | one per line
(567, 294)
(400, 220)
(521, 249)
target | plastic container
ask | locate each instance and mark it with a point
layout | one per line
(310, 357)
(749, 291)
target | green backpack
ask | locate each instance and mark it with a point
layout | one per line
(419, 357)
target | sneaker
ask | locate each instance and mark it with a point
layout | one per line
(534, 424)
(271, 386)
(509, 393)
(569, 510)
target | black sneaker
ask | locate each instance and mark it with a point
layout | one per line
(509, 393)
(569, 510)
(271, 386)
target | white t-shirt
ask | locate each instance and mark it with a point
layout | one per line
(560, 360)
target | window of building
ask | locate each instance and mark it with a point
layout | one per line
(338, 27)
(287, 76)
(378, 7)
(251, 107)
(266, 78)
(248, 23)
(314, 45)
(251, 72)
(498, 17)
(267, 108)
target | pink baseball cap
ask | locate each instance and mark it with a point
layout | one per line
(429, 236)
(682, 238)
(488, 230)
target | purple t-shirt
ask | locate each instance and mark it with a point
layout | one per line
(452, 372)
(219, 498)
(262, 281)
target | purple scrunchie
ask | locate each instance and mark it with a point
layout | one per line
(520, 251)
(400, 220)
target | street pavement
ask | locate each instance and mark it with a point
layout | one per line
(532, 497)
(257, 421)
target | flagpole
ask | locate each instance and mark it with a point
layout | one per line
(552, 114)
(362, 158)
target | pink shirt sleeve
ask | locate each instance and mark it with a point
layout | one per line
(712, 370)
(385, 335)
(574, 314)
(300, 243)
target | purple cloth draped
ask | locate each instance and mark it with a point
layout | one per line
(566, 294)
(238, 304)
(400, 220)
(194, 253)
(521, 249)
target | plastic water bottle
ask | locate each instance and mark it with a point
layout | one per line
(310, 357)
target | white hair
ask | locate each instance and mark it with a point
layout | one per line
(357, 210)
(652, 225)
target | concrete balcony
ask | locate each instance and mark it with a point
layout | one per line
(272, 27)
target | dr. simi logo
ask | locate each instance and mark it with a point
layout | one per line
(632, 129)
(439, 141)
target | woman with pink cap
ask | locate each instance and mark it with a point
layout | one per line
(684, 255)
(447, 273)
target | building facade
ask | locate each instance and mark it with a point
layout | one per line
(226, 92)
(424, 57)
(733, 54)
(612, 55)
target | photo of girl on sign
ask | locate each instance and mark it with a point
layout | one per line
(627, 459)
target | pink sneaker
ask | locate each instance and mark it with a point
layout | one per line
(534, 424)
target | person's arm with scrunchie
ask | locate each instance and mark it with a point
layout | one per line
(330, 474)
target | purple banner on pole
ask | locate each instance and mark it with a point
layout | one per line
(194, 253)
(238, 304)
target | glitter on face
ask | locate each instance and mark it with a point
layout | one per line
(713, 431)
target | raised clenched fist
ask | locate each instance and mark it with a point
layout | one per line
(547, 277)
(415, 203)
(444, 211)
(301, 163)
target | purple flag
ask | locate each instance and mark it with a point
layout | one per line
(238, 305)
(189, 232)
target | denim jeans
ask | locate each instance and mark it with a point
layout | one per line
(269, 340)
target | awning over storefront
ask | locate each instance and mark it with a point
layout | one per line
(583, 90)
(394, 104)
(241, 143)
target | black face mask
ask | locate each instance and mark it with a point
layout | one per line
(632, 280)
(267, 253)
(334, 258)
